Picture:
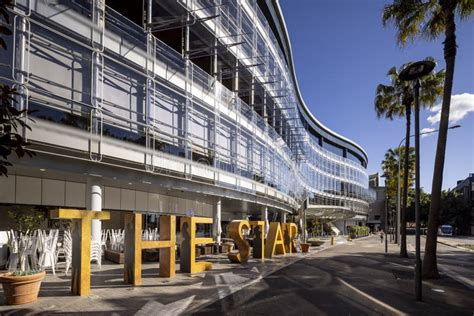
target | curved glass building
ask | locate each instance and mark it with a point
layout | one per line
(172, 106)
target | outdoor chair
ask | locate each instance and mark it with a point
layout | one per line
(48, 250)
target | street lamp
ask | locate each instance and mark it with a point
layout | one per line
(414, 72)
(398, 180)
(386, 214)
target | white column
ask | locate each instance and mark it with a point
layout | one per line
(216, 227)
(283, 216)
(264, 217)
(96, 205)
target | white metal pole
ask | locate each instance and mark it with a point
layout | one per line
(217, 221)
(96, 205)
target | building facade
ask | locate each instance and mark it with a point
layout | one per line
(378, 207)
(186, 107)
(466, 188)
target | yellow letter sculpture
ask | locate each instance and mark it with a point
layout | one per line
(81, 245)
(274, 244)
(258, 228)
(134, 244)
(235, 232)
(188, 245)
(289, 232)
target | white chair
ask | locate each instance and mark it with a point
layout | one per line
(48, 250)
(65, 250)
(96, 253)
(116, 240)
(14, 258)
(67, 244)
(31, 251)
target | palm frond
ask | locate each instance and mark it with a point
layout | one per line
(465, 9)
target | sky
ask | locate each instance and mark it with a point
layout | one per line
(341, 52)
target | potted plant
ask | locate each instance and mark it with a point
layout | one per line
(305, 247)
(22, 285)
(315, 241)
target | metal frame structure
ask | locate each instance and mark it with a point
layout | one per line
(144, 92)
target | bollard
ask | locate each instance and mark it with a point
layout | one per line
(349, 238)
(332, 240)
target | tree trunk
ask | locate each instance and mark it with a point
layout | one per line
(406, 170)
(430, 268)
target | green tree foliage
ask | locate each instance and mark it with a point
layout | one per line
(396, 100)
(27, 220)
(390, 171)
(455, 211)
(430, 19)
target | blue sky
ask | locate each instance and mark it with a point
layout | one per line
(341, 52)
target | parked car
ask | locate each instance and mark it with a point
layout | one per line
(445, 230)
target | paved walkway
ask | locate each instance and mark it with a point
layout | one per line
(356, 279)
(156, 296)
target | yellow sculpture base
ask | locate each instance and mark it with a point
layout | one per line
(134, 246)
(81, 245)
(188, 245)
(235, 232)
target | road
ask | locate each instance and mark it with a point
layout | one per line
(354, 279)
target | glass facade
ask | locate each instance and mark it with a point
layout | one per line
(102, 73)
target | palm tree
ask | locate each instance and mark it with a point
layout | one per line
(430, 18)
(396, 100)
(390, 170)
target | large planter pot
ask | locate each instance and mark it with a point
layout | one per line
(305, 247)
(316, 243)
(21, 289)
(114, 256)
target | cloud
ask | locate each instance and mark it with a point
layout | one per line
(461, 105)
(426, 130)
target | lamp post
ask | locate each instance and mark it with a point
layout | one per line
(414, 72)
(398, 180)
(386, 213)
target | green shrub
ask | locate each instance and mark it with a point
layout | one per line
(359, 231)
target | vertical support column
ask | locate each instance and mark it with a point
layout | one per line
(150, 88)
(20, 63)
(133, 251)
(283, 217)
(264, 217)
(96, 205)
(215, 72)
(97, 79)
(21, 24)
(187, 86)
(216, 228)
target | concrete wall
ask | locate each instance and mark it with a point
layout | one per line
(59, 193)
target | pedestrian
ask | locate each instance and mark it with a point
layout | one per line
(381, 236)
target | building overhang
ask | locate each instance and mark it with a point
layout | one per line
(331, 212)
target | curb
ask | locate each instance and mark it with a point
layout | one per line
(216, 297)
(454, 246)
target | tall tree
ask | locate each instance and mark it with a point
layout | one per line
(390, 171)
(431, 18)
(396, 100)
